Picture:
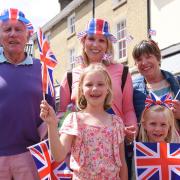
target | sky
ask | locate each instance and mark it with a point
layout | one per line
(39, 12)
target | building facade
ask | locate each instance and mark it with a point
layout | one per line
(128, 22)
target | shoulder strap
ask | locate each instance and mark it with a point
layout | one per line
(69, 78)
(124, 76)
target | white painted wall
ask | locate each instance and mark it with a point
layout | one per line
(165, 19)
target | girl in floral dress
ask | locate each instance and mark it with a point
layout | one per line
(94, 137)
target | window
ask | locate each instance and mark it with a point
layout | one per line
(29, 48)
(72, 58)
(121, 37)
(117, 3)
(71, 24)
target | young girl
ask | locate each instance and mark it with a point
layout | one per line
(158, 123)
(94, 137)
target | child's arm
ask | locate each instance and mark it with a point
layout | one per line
(59, 146)
(123, 170)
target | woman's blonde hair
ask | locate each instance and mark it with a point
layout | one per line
(94, 68)
(109, 51)
(168, 114)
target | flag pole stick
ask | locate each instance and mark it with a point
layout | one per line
(177, 95)
(43, 96)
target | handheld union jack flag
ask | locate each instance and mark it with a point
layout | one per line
(159, 161)
(48, 61)
(48, 169)
(152, 32)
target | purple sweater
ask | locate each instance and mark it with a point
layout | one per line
(20, 97)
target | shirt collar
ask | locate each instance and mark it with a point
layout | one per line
(27, 61)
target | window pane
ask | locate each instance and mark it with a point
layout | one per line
(121, 37)
(71, 24)
(124, 52)
(120, 45)
(124, 43)
(120, 54)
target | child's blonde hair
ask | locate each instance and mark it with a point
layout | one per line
(168, 114)
(94, 68)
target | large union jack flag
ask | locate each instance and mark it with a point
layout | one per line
(157, 161)
(48, 169)
(48, 61)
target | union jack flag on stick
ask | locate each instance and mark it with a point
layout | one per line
(152, 32)
(48, 61)
(159, 161)
(47, 168)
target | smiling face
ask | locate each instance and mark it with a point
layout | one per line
(95, 89)
(147, 57)
(148, 65)
(13, 37)
(156, 126)
(95, 46)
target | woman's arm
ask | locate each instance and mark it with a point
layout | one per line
(131, 129)
(127, 106)
(65, 96)
(123, 171)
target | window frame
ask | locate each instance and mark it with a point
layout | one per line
(117, 3)
(71, 24)
(72, 57)
(121, 34)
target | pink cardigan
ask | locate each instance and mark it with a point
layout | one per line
(122, 104)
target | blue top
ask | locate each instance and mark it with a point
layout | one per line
(140, 91)
(20, 97)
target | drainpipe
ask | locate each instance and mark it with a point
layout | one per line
(93, 8)
(148, 17)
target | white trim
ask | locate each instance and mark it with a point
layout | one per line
(64, 13)
(72, 56)
(117, 3)
(121, 40)
(71, 24)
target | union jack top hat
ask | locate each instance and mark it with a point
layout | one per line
(15, 14)
(97, 26)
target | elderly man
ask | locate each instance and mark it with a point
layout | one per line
(20, 97)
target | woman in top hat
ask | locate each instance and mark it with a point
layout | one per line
(98, 48)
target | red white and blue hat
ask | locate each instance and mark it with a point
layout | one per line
(15, 14)
(97, 26)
